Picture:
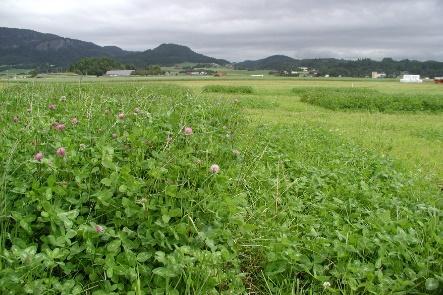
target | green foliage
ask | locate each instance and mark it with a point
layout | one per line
(133, 208)
(95, 66)
(228, 89)
(163, 214)
(150, 71)
(33, 73)
(322, 210)
(369, 100)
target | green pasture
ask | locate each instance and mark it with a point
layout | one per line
(216, 186)
(415, 139)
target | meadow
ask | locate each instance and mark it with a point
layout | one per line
(217, 186)
(370, 100)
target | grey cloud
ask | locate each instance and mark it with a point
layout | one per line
(238, 30)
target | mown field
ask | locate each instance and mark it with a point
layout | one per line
(217, 187)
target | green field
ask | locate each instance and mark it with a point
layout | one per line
(308, 199)
(416, 139)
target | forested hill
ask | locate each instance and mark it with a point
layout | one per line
(168, 55)
(347, 68)
(31, 48)
(27, 48)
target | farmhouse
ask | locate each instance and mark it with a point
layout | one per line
(196, 73)
(300, 71)
(411, 79)
(119, 73)
(438, 80)
(377, 75)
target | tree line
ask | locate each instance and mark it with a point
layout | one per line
(347, 68)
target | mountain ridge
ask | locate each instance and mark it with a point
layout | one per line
(31, 48)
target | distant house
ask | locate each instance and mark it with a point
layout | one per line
(302, 72)
(119, 73)
(411, 79)
(196, 73)
(377, 75)
(438, 80)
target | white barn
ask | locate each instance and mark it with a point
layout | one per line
(411, 79)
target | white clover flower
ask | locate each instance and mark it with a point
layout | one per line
(214, 169)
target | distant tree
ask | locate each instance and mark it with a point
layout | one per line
(33, 73)
(150, 71)
(154, 70)
(95, 66)
(130, 67)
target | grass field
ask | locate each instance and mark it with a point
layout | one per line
(416, 139)
(365, 99)
(150, 186)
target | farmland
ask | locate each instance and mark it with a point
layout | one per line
(218, 186)
(369, 100)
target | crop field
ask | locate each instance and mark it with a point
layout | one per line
(218, 186)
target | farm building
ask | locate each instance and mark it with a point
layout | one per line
(301, 72)
(438, 80)
(119, 73)
(196, 73)
(377, 75)
(411, 79)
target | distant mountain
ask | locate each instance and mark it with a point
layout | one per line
(169, 54)
(274, 62)
(27, 48)
(346, 68)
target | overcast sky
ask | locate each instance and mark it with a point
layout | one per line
(244, 29)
